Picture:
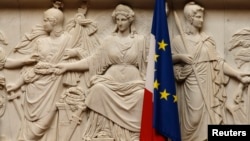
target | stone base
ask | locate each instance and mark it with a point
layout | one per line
(103, 139)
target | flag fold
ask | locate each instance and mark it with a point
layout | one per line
(160, 118)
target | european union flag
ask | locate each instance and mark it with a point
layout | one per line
(166, 119)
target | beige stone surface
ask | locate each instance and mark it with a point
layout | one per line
(222, 20)
(223, 28)
(22, 104)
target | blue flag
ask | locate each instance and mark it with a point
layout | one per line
(166, 119)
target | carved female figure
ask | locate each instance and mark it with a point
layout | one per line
(200, 75)
(43, 87)
(116, 92)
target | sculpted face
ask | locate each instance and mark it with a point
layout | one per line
(48, 23)
(52, 17)
(197, 19)
(122, 22)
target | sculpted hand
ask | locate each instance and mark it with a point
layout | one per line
(34, 58)
(182, 58)
(70, 53)
(11, 87)
(244, 78)
(60, 68)
(186, 58)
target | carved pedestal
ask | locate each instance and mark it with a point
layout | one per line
(64, 122)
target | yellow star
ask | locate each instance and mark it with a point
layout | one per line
(156, 57)
(164, 95)
(162, 45)
(175, 98)
(156, 84)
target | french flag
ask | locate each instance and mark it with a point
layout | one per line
(160, 120)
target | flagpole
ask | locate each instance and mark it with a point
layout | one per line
(177, 21)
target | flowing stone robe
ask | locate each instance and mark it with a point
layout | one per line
(85, 42)
(42, 90)
(117, 89)
(194, 115)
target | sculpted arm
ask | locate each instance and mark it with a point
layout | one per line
(81, 65)
(239, 75)
(182, 58)
(18, 63)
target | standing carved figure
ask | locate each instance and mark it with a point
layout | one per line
(6, 64)
(201, 75)
(43, 88)
(117, 83)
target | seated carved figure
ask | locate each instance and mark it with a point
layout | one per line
(117, 81)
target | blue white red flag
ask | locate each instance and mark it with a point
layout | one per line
(160, 119)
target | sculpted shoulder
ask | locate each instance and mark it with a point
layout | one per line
(140, 37)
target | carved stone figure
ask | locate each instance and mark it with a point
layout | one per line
(238, 106)
(49, 44)
(84, 43)
(201, 76)
(43, 88)
(9, 63)
(3, 98)
(117, 81)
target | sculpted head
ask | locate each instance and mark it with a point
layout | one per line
(191, 9)
(123, 10)
(128, 13)
(53, 17)
(54, 14)
(194, 16)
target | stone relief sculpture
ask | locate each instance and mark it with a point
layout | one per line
(74, 85)
(50, 101)
(71, 105)
(117, 81)
(43, 88)
(201, 76)
(3, 98)
(8, 63)
(45, 46)
(71, 108)
(84, 40)
(238, 108)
